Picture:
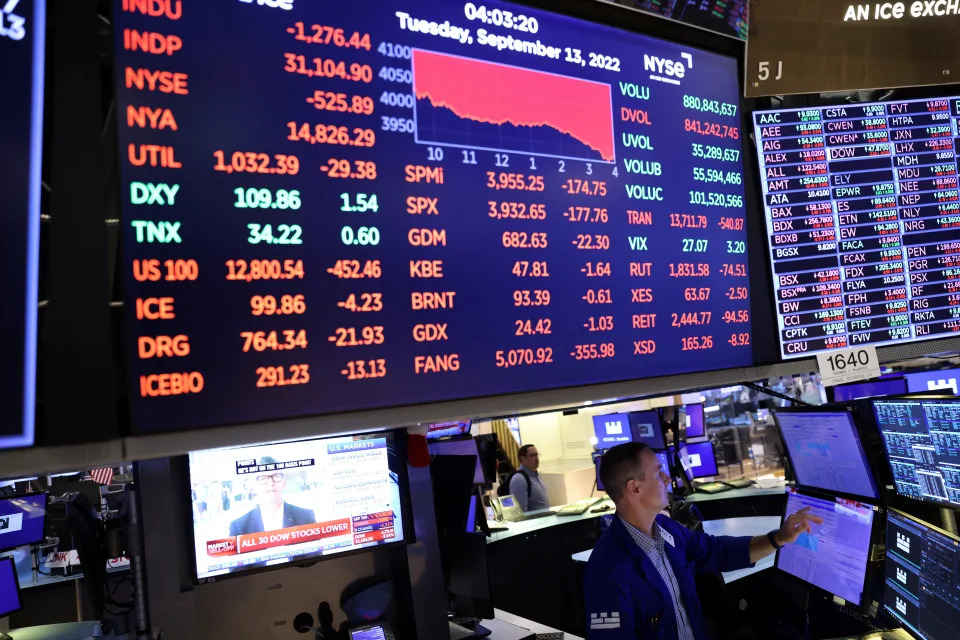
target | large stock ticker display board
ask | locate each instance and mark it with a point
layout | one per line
(22, 41)
(863, 214)
(336, 206)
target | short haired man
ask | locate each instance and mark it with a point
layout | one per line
(272, 511)
(639, 582)
(526, 485)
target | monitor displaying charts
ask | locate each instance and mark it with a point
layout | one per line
(826, 452)
(922, 577)
(834, 556)
(513, 200)
(922, 440)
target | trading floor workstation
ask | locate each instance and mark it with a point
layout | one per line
(325, 318)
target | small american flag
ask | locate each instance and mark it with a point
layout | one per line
(102, 475)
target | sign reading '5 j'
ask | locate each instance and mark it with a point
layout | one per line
(825, 45)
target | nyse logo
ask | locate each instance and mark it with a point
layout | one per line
(666, 70)
(901, 606)
(903, 542)
(901, 575)
(614, 428)
(4, 523)
(949, 383)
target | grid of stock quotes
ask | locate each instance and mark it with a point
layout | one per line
(922, 439)
(370, 204)
(863, 215)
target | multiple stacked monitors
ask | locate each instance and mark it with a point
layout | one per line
(922, 440)
(22, 520)
(273, 504)
(9, 587)
(637, 426)
(826, 453)
(538, 245)
(834, 557)
(922, 577)
(22, 38)
(861, 207)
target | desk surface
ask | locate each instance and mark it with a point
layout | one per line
(747, 492)
(516, 622)
(755, 526)
(529, 526)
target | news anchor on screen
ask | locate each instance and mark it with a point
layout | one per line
(640, 580)
(272, 512)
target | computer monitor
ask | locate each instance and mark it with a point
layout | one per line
(372, 632)
(920, 437)
(881, 387)
(826, 453)
(645, 427)
(943, 379)
(22, 520)
(268, 505)
(834, 557)
(468, 577)
(695, 428)
(922, 577)
(700, 459)
(466, 447)
(450, 429)
(611, 429)
(487, 448)
(9, 588)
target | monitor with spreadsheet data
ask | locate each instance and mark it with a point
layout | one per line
(922, 577)
(834, 556)
(922, 441)
(826, 452)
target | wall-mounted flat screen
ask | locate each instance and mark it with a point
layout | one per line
(272, 504)
(862, 212)
(942, 380)
(404, 205)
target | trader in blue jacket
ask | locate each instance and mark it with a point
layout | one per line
(639, 583)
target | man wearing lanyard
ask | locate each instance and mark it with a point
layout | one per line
(639, 582)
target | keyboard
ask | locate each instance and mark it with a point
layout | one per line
(535, 515)
(713, 487)
(742, 483)
(578, 507)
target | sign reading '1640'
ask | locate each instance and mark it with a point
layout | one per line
(825, 45)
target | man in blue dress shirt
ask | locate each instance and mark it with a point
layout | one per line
(640, 580)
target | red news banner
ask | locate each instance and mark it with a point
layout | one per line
(373, 527)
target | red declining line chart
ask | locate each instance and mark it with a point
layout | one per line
(476, 104)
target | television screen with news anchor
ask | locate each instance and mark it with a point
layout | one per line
(266, 505)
